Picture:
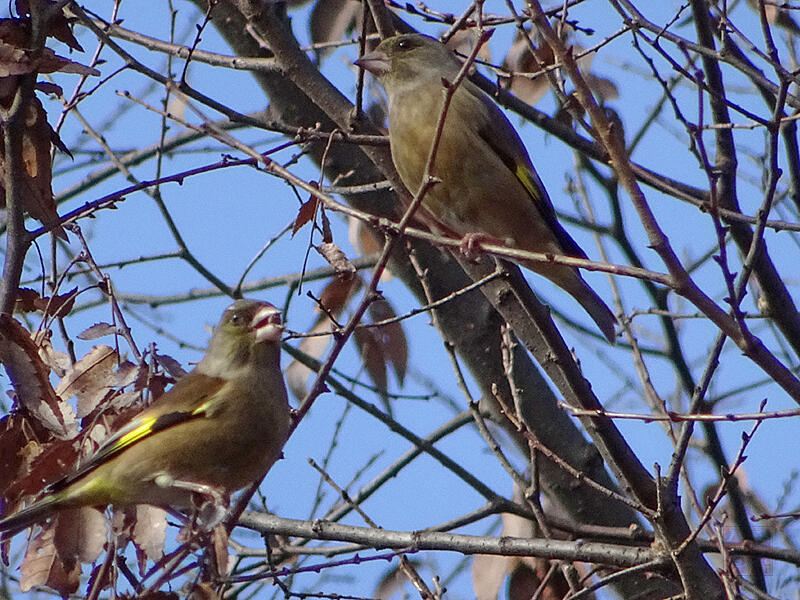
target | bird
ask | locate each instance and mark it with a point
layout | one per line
(217, 430)
(487, 186)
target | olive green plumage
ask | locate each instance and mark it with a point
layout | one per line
(488, 184)
(219, 428)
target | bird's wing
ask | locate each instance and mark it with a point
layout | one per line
(500, 135)
(196, 390)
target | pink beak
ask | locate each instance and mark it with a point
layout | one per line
(376, 62)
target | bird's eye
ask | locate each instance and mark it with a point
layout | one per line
(235, 319)
(404, 44)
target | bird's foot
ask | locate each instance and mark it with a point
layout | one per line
(470, 245)
(209, 503)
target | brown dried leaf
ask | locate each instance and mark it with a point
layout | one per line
(393, 581)
(158, 595)
(90, 379)
(37, 193)
(332, 21)
(61, 29)
(170, 365)
(306, 213)
(520, 60)
(97, 330)
(43, 565)
(776, 15)
(13, 61)
(80, 534)
(203, 590)
(14, 34)
(150, 530)
(604, 89)
(31, 380)
(123, 519)
(14, 437)
(58, 362)
(29, 300)
(155, 383)
(43, 465)
(297, 374)
(525, 580)
(219, 541)
(60, 26)
(56, 90)
(50, 62)
(361, 237)
(391, 337)
(371, 350)
(488, 573)
(336, 258)
(463, 42)
(337, 294)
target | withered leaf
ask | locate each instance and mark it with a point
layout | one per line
(361, 237)
(297, 374)
(372, 356)
(51, 88)
(170, 365)
(150, 530)
(43, 565)
(203, 590)
(97, 330)
(58, 362)
(31, 379)
(13, 460)
(48, 463)
(50, 62)
(336, 258)
(13, 60)
(29, 300)
(393, 581)
(90, 379)
(391, 337)
(220, 545)
(306, 213)
(338, 292)
(80, 534)
(463, 42)
(603, 88)
(526, 579)
(35, 180)
(488, 573)
(775, 15)
(331, 21)
(520, 60)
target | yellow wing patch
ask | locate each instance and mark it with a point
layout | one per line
(147, 427)
(135, 435)
(524, 175)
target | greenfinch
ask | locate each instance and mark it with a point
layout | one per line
(488, 186)
(218, 429)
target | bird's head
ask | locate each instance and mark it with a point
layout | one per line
(409, 58)
(247, 331)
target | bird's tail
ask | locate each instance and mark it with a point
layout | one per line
(599, 312)
(571, 281)
(35, 513)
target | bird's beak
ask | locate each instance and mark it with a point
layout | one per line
(376, 62)
(267, 324)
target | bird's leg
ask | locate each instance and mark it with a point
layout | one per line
(470, 245)
(208, 514)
